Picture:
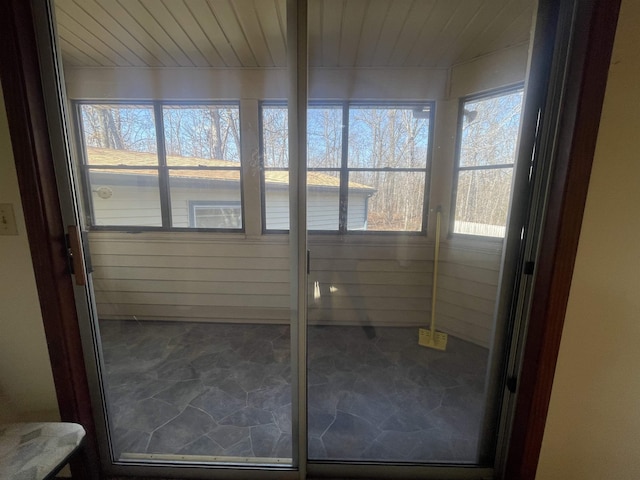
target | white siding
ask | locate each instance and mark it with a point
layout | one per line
(190, 276)
(140, 206)
(322, 210)
(128, 205)
(229, 278)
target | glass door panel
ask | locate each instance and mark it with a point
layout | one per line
(400, 306)
(192, 304)
(182, 165)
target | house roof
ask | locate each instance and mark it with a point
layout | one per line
(111, 157)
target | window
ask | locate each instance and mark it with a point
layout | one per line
(147, 165)
(487, 138)
(367, 166)
(215, 215)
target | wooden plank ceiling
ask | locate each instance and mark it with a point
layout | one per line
(252, 33)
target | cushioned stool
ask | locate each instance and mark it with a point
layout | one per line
(36, 451)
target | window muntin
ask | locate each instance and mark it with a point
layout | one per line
(355, 152)
(488, 135)
(155, 159)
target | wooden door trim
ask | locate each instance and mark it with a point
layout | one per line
(581, 108)
(21, 84)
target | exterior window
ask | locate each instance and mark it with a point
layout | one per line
(488, 135)
(145, 165)
(367, 167)
(215, 215)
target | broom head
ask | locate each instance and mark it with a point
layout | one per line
(438, 340)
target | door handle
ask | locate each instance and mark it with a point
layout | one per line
(75, 254)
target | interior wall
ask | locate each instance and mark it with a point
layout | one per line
(593, 425)
(26, 382)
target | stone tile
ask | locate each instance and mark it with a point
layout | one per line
(181, 394)
(248, 417)
(205, 361)
(186, 428)
(349, 436)
(270, 398)
(264, 439)
(240, 449)
(228, 435)
(419, 400)
(319, 421)
(373, 407)
(457, 421)
(316, 449)
(248, 375)
(129, 441)
(401, 443)
(433, 447)
(374, 393)
(464, 449)
(380, 452)
(464, 398)
(176, 370)
(282, 416)
(283, 448)
(203, 445)
(146, 415)
(217, 403)
(406, 421)
(232, 388)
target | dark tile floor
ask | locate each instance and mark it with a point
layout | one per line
(223, 390)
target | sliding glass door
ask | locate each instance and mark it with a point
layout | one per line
(295, 218)
(405, 258)
(191, 303)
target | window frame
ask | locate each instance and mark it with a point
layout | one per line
(344, 170)
(496, 92)
(163, 169)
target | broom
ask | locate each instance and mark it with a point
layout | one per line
(429, 337)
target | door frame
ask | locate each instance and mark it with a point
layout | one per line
(581, 104)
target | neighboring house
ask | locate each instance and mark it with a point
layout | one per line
(206, 193)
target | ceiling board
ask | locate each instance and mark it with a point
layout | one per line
(233, 31)
(252, 33)
(187, 23)
(208, 23)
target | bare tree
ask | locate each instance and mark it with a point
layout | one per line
(487, 153)
(120, 127)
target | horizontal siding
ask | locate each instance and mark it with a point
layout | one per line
(191, 274)
(322, 210)
(140, 206)
(247, 299)
(206, 277)
(467, 289)
(357, 212)
(189, 287)
(138, 244)
(190, 313)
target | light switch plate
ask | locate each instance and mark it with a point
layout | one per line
(7, 220)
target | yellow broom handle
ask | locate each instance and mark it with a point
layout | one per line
(436, 254)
